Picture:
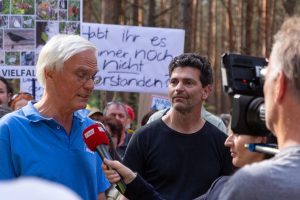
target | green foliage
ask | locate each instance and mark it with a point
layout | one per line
(95, 99)
(6, 7)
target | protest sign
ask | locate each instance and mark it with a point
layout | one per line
(132, 58)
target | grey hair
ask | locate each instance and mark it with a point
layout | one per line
(286, 52)
(116, 103)
(58, 50)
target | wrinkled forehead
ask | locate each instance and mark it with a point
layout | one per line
(85, 60)
(116, 108)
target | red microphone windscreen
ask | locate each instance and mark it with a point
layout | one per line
(94, 135)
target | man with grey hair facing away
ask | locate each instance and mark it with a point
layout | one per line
(45, 139)
(279, 177)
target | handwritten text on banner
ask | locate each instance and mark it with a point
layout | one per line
(134, 59)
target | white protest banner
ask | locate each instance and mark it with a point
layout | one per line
(26, 85)
(134, 59)
(25, 74)
(17, 71)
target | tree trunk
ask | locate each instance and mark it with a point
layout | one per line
(249, 19)
(111, 11)
(186, 21)
(135, 12)
(201, 32)
(229, 25)
(194, 28)
(211, 46)
(239, 27)
(86, 9)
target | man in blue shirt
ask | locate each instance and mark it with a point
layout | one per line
(45, 139)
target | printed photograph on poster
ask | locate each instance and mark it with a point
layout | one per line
(12, 58)
(3, 21)
(46, 10)
(45, 31)
(2, 58)
(18, 39)
(27, 58)
(23, 7)
(63, 4)
(1, 39)
(62, 15)
(15, 22)
(74, 11)
(5, 7)
(69, 27)
(28, 22)
(63, 10)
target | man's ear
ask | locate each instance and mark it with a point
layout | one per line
(206, 91)
(48, 74)
(280, 87)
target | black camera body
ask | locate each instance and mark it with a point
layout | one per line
(242, 78)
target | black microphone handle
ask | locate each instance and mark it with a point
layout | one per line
(102, 151)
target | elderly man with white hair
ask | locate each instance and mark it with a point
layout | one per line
(45, 139)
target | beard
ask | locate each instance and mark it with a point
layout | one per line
(182, 108)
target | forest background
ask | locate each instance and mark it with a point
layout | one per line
(212, 27)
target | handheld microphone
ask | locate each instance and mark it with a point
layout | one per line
(96, 139)
(112, 151)
(262, 148)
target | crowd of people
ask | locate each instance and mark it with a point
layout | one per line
(183, 152)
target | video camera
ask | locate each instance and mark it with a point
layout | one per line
(242, 78)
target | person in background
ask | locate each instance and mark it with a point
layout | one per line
(138, 188)
(241, 157)
(20, 100)
(6, 91)
(279, 177)
(45, 139)
(95, 114)
(146, 117)
(226, 119)
(115, 128)
(130, 119)
(181, 154)
(118, 110)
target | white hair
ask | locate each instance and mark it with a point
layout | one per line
(58, 50)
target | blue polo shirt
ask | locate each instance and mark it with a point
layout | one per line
(32, 145)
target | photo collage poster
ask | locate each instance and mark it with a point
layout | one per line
(25, 27)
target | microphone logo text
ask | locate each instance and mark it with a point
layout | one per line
(89, 133)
